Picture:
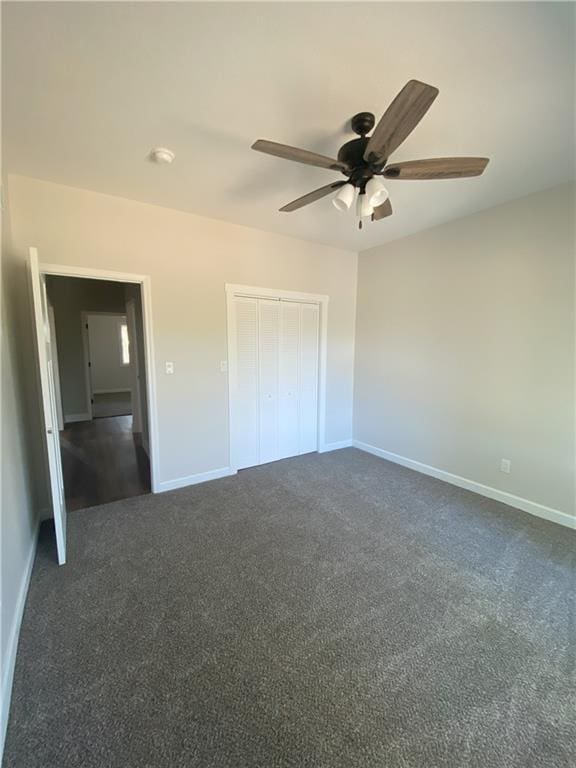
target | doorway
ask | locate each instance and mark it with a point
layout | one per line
(109, 354)
(99, 377)
(137, 292)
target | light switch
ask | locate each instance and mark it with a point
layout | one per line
(223, 366)
(169, 368)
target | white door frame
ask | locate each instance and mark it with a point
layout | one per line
(64, 270)
(258, 292)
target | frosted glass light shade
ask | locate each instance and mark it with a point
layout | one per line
(376, 192)
(364, 207)
(345, 197)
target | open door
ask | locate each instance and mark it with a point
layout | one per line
(47, 379)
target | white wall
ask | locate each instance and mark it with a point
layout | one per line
(465, 347)
(107, 373)
(189, 259)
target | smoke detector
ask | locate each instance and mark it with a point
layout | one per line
(161, 155)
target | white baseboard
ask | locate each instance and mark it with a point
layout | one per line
(70, 417)
(111, 391)
(539, 510)
(202, 477)
(335, 446)
(9, 662)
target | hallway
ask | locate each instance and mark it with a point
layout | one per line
(103, 461)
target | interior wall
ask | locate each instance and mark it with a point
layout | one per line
(71, 296)
(465, 347)
(107, 372)
(189, 259)
(23, 468)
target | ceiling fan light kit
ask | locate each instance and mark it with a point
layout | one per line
(364, 207)
(365, 159)
(345, 197)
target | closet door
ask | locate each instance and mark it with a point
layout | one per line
(245, 411)
(268, 352)
(309, 345)
(289, 379)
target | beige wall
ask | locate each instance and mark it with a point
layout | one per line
(465, 347)
(23, 469)
(189, 259)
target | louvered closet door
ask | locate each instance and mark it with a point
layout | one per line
(289, 380)
(246, 406)
(309, 348)
(268, 349)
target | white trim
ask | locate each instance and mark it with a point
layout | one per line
(65, 270)
(257, 292)
(201, 477)
(69, 418)
(336, 446)
(533, 507)
(150, 365)
(111, 391)
(9, 662)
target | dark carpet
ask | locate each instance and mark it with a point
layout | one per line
(331, 611)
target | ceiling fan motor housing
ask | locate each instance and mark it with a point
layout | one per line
(352, 153)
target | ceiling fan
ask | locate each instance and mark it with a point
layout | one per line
(363, 160)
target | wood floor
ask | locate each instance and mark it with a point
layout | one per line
(103, 461)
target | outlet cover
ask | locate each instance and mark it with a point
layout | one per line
(505, 466)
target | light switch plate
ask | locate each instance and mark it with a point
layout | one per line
(505, 466)
(223, 366)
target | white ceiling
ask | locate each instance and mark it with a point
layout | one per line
(89, 88)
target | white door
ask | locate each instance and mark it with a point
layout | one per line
(268, 368)
(47, 378)
(309, 347)
(289, 385)
(244, 406)
(274, 369)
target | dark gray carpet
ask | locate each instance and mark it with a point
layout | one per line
(331, 611)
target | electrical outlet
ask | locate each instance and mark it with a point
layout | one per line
(223, 366)
(169, 368)
(505, 466)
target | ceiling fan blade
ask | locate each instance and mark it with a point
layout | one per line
(298, 155)
(382, 211)
(437, 168)
(400, 119)
(311, 197)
